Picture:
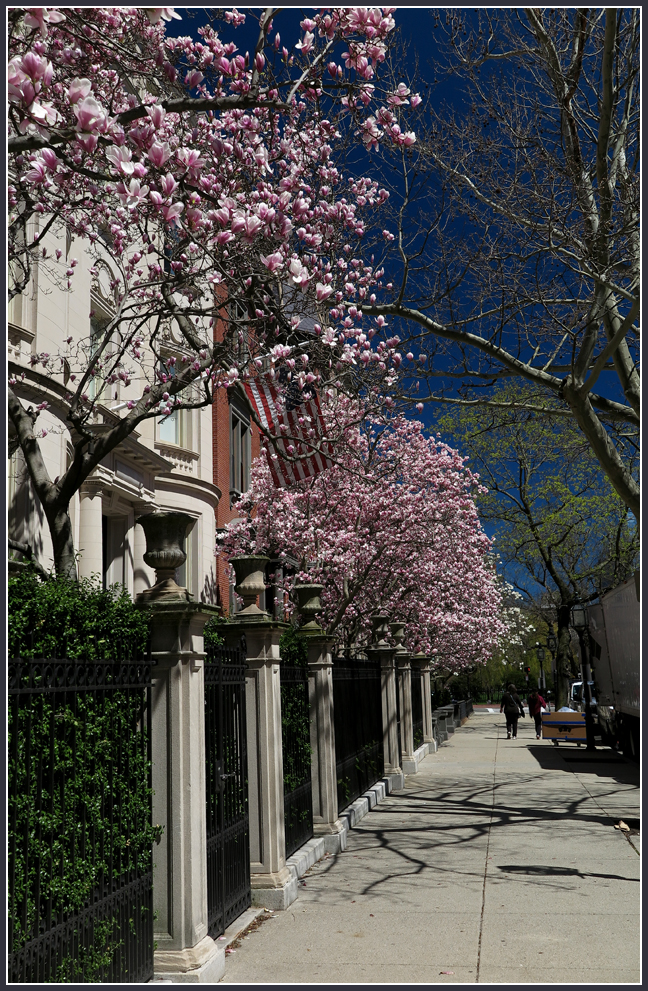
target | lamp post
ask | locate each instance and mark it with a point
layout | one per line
(552, 644)
(579, 622)
(540, 654)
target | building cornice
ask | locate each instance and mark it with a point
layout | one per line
(189, 484)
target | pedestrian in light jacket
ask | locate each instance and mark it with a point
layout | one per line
(512, 708)
(536, 704)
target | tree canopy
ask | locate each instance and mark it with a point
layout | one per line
(392, 526)
(517, 221)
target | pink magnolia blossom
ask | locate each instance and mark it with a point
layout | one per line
(299, 272)
(79, 89)
(392, 525)
(38, 18)
(157, 14)
(323, 292)
(159, 153)
(172, 213)
(273, 262)
(251, 186)
(91, 117)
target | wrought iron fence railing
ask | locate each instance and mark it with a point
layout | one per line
(417, 708)
(357, 708)
(80, 833)
(296, 751)
(228, 824)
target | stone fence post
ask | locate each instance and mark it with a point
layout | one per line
(273, 885)
(185, 952)
(322, 739)
(409, 763)
(322, 726)
(423, 670)
(384, 655)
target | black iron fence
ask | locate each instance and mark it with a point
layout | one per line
(296, 748)
(357, 707)
(417, 708)
(80, 833)
(228, 833)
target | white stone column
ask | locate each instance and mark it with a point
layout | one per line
(185, 952)
(322, 739)
(385, 656)
(90, 532)
(273, 885)
(409, 763)
(426, 695)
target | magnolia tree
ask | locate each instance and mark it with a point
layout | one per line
(204, 174)
(392, 525)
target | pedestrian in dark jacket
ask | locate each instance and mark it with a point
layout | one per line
(512, 708)
(536, 703)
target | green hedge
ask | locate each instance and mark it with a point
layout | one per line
(79, 620)
(295, 715)
(79, 797)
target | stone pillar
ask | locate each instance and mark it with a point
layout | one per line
(409, 762)
(273, 884)
(424, 670)
(90, 532)
(322, 739)
(384, 654)
(185, 952)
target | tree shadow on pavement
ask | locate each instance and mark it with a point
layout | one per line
(533, 870)
(604, 763)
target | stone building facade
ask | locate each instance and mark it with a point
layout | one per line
(165, 464)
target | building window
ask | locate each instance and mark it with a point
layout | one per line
(176, 427)
(240, 454)
(96, 388)
(184, 574)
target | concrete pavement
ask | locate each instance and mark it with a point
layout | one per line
(498, 863)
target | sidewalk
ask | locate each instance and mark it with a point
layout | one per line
(498, 862)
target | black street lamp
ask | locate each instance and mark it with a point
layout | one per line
(579, 621)
(540, 654)
(552, 644)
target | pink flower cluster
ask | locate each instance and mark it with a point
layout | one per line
(216, 180)
(392, 525)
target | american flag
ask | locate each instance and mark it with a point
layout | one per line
(275, 408)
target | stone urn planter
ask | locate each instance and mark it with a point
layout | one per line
(380, 627)
(308, 605)
(250, 581)
(397, 630)
(165, 533)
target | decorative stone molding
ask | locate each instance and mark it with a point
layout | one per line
(183, 460)
(101, 284)
(19, 342)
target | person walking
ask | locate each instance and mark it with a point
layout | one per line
(512, 708)
(536, 704)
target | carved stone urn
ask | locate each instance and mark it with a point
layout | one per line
(380, 627)
(165, 533)
(397, 630)
(308, 605)
(250, 581)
